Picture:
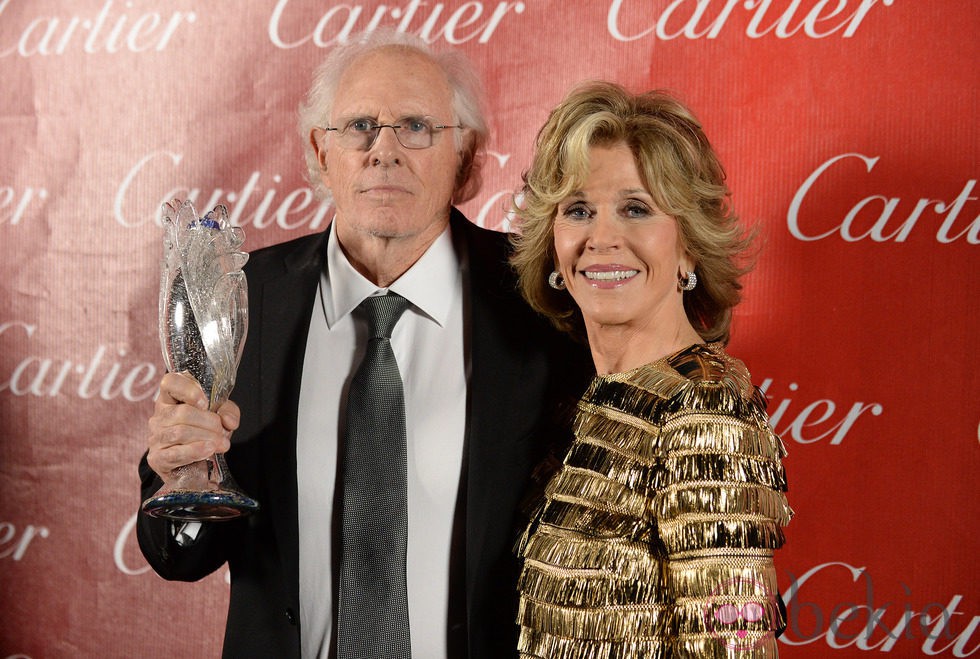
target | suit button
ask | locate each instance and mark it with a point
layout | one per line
(291, 617)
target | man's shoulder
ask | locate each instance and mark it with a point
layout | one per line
(306, 249)
(488, 252)
(478, 236)
(288, 246)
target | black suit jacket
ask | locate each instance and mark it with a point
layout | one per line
(524, 376)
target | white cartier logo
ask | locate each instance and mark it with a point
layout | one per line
(456, 23)
(110, 30)
(629, 20)
(16, 204)
(258, 200)
(808, 422)
(870, 621)
(125, 547)
(15, 541)
(497, 202)
(879, 217)
(105, 373)
(258, 193)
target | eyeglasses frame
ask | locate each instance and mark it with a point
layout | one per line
(396, 128)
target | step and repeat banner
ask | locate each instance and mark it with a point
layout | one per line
(849, 132)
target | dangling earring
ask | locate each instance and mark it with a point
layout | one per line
(689, 283)
(556, 281)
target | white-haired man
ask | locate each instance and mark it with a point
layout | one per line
(395, 134)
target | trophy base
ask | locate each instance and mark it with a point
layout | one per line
(202, 491)
(188, 506)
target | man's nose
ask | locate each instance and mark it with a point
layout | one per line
(385, 150)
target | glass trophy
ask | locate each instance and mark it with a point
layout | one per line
(203, 323)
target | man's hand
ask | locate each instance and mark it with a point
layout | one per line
(182, 430)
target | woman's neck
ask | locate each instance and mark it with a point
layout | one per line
(619, 348)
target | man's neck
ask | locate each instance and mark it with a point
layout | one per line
(383, 259)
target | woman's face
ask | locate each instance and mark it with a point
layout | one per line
(619, 254)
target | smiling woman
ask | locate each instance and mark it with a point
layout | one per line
(656, 536)
(664, 156)
(621, 259)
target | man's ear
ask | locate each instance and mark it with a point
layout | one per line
(317, 137)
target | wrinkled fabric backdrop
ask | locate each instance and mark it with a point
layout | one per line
(849, 132)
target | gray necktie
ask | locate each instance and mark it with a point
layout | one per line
(373, 606)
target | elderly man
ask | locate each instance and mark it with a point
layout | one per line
(395, 133)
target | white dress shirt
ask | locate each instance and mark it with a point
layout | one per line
(428, 342)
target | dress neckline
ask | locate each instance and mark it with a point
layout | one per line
(661, 364)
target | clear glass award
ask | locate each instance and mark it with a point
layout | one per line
(203, 323)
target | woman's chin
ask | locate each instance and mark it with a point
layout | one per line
(607, 320)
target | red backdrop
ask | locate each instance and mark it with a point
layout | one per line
(849, 130)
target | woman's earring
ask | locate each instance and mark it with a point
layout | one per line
(689, 283)
(556, 281)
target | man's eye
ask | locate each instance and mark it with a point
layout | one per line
(361, 125)
(415, 125)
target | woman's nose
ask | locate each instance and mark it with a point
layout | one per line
(605, 232)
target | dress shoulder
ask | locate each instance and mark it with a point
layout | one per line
(699, 378)
(709, 363)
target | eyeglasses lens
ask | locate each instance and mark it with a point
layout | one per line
(411, 133)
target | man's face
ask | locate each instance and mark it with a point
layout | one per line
(390, 191)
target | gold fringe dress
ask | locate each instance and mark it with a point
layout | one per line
(656, 536)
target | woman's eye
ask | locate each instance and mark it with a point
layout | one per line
(636, 210)
(577, 212)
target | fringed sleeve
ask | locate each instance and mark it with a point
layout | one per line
(720, 506)
(655, 538)
(590, 587)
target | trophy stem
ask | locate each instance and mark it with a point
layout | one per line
(203, 491)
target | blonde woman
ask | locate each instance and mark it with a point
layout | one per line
(656, 536)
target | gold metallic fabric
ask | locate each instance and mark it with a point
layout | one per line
(655, 538)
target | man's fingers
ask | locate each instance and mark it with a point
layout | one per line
(175, 424)
(178, 388)
(182, 429)
(176, 446)
(230, 415)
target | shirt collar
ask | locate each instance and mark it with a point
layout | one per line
(430, 284)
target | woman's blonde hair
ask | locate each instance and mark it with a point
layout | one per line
(680, 171)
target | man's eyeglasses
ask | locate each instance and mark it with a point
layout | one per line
(411, 132)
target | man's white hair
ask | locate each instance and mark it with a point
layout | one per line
(467, 103)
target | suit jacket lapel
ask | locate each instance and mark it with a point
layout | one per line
(498, 454)
(288, 292)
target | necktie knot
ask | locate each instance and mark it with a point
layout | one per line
(383, 311)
